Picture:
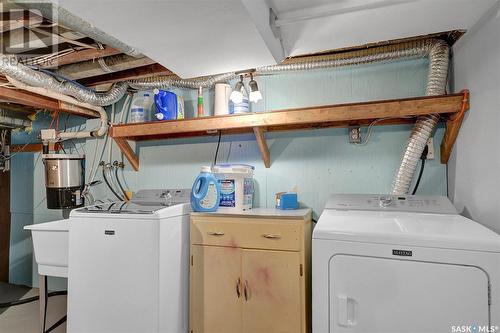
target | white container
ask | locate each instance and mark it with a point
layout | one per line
(221, 104)
(140, 108)
(236, 188)
(242, 107)
(50, 244)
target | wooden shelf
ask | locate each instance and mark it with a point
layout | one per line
(399, 111)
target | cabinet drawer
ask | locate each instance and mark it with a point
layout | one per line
(245, 233)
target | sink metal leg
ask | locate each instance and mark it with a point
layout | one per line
(42, 282)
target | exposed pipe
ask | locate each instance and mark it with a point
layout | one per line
(49, 93)
(61, 16)
(100, 131)
(69, 135)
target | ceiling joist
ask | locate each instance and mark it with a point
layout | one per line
(134, 73)
(81, 56)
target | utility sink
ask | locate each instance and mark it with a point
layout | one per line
(50, 244)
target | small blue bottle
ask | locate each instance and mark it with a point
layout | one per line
(205, 194)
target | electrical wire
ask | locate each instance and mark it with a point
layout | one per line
(423, 157)
(370, 127)
(422, 166)
(217, 150)
(94, 159)
(19, 151)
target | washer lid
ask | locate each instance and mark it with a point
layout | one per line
(401, 228)
(123, 207)
(143, 202)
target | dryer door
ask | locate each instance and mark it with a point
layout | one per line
(370, 294)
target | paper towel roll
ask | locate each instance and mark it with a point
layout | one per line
(222, 93)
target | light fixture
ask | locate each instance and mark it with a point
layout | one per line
(236, 95)
(255, 94)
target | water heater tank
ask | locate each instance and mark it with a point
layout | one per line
(64, 180)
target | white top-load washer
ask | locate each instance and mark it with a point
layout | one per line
(128, 265)
(394, 264)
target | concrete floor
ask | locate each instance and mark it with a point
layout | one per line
(24, 318)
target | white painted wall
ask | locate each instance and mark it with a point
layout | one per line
(474, 168)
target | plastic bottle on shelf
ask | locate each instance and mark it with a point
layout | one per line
(140, 108)
(205, 194)
(242, 107)
(201, 112)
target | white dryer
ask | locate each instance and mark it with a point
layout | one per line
(394, 264)
(128, 266)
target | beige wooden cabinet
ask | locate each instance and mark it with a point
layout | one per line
(250, 273)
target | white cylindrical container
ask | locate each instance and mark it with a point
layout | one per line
(221, 104)
(236, 187)
(140, 108)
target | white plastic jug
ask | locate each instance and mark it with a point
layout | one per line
(140, 108)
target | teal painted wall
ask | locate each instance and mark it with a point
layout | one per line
(316, 163)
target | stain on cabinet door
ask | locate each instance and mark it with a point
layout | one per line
(271, 298)
(216, 289)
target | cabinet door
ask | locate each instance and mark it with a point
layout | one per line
(272, 289)
(216, 290)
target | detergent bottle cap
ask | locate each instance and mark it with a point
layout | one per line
(206, 168)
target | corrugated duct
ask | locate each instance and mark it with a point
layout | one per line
(436, 50)
(9, 66)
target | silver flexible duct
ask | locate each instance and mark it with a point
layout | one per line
(436, 50)
(73, 22)
(9, 66)
(425, 125)
(160, 82)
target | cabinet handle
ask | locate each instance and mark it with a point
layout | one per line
(215, 233)
(271, 236)
(246, 291)
(238, 286)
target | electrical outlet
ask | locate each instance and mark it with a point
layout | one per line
(430, 148)
(354, 134)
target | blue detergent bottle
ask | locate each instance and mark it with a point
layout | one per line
(205, 194)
